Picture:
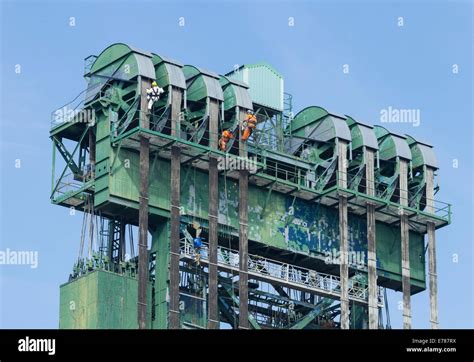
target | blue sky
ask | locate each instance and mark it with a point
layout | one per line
(409, 66)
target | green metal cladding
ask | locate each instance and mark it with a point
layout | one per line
(99, 300)
(266, 84)
(289, 223)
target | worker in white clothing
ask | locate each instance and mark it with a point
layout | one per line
(153, 94)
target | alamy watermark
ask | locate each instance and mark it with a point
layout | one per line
(28, 344)
(233, 163)
(355, 258)
(69, 115)
(15, 257)
(396, 115)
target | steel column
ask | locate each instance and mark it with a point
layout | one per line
(92, 157)
(343, 234)
(243, 233)
(174, 238)
(143, 207)
(405, 247)
(369, 156)
(174, 320)
(122, 245)
(429, 172)
(213, 316)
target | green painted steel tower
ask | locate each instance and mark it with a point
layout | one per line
(304, 225)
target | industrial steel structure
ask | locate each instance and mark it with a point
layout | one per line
(305, 225)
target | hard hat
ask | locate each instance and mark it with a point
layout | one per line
(154, 84)
(249, 111)
(197, 242)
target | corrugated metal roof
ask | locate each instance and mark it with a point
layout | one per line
(368, 136)
(328, 129)
(139, 51)
(398, 135)
(422, 153)
(145, 66)
(208, 73)
(341, 128)
(418, 141)
(428, 155)
(236, 93)
(337, 115)
(237, 82)
(214, 89)
(362, 123)
(401, 147)
(170, 60)
(242, 97)
(175, 75)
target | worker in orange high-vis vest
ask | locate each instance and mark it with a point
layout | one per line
(225, 137)
(250, 123)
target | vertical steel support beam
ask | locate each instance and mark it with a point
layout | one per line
(110, 241)
(429, 172)
(174, 237)
(213, 315)
(369, 157)
(122, 246)
(405, 247)
(343, 233)
(213, 123)
(92, 152)
(143, 207)
(161, 245)
(174, 320)
(176, 99)
(53, 173)
(433, 276)
(143, 232)
(243, 236)
(279, 130)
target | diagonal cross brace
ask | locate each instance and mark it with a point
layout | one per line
(66, 155)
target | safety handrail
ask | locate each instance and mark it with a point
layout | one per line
(430, 206)
(301, 177)
(291, 274)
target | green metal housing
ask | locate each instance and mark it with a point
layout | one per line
(99, 300)
(265, 83)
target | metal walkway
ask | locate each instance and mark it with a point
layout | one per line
(284, 274)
